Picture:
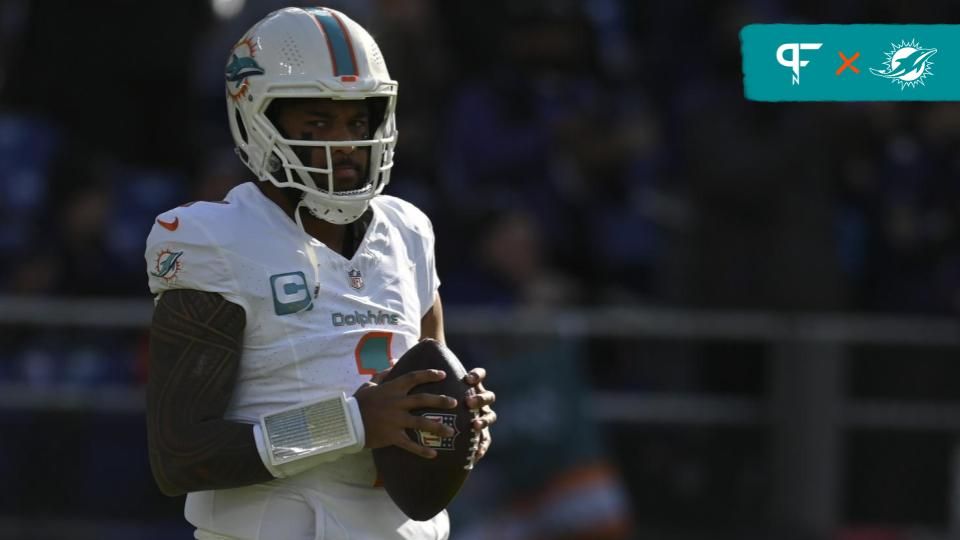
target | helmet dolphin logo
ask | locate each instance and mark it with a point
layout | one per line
(241, 67)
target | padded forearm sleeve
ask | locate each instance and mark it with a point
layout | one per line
(298, 438)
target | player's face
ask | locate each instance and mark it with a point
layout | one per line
(330, 120)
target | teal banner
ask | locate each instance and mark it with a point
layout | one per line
(851, 62)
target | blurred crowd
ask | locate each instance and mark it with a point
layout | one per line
(569, 152)
(592, 153)
(587, 152)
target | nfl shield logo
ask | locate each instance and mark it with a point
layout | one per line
(435, 441)
(356, 279)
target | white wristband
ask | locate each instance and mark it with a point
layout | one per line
(298, 438)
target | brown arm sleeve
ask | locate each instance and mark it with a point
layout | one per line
(195, 343)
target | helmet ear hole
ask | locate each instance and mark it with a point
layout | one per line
(240, 126)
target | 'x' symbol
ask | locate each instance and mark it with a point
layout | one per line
(848, 63)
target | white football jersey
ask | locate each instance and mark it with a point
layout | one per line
(317, 323)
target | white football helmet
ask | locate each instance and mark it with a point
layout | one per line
(309, 53)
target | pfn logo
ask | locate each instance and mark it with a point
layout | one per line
(794, 62)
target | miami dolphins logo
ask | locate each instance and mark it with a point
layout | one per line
(907, 64)
(242, 64)
(168, 265)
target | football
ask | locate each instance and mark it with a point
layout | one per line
(421, 487)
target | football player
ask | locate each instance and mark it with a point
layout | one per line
(279, 308)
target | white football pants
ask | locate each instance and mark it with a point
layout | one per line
(271, 512)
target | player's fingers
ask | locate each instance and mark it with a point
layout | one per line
(414, 448)
(483, 399)
(486, 420)
(475, 376)
(421, 423)
(484, 444)
(428, 401)
(415, 378)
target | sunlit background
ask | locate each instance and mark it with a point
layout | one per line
(705, 318)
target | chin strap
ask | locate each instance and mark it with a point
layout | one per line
(296, 214)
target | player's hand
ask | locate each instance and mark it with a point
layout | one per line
(385, 408)
(381, 375)
(481, 403)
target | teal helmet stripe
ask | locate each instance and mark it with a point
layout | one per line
(338, 41)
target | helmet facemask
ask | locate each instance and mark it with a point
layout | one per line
(294, 163)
